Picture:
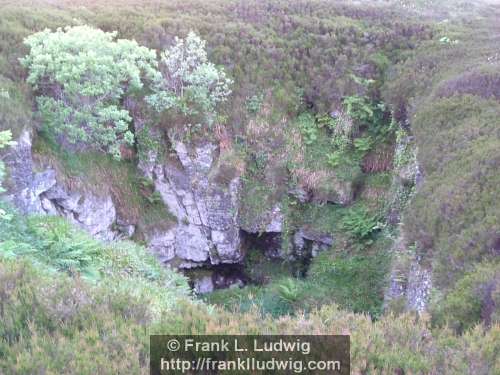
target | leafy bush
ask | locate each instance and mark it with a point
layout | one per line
(58, 246)
(188, 81)
(82, 76)
(359, 108)
(55, 245)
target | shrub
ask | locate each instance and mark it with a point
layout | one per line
(51, 242)
(359, 108)
(475, 298)
(82, 76)
(188, 81)
(54, 245)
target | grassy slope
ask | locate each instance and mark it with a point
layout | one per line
(450, 94)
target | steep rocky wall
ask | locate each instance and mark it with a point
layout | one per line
(208, 229)
(410, 280)
(206, 210)
(35, 192)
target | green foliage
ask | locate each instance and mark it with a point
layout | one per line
(289, 290)
(82, 75)
(254, 103)
(46, 320)
(326, 121)
(454, 214)
(352, 134)
(359, 108)
(313, 46)
(147, 142)
(405, 151)
(355, 282)
(476, 297)
(362, 146)
(447, 94)
(54, 245)
(308, 129)
(188, 81)
(360, 224)
(99, 173)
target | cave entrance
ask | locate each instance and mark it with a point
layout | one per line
(268, 243)
(266, 259)
(221, 276)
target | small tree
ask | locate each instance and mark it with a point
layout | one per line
(188, 81)
(82, 75)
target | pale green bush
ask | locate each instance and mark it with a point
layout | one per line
(189, 82)
(81, 76)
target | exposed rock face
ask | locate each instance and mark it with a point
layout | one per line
(25, 186)
(96, 215)
(306, 239)
(204, 285)
(410, 281)
(266, 221)
(219, 277)
(419, 287)
(40, 193)
(206, 211)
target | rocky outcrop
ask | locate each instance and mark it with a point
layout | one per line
(95, 214)
(198, 190)
(24, 185)
(268, 220)
(218, 277)
(410, 280)
(311, 242)
(206, 210)
(40, 193)
(419, 286)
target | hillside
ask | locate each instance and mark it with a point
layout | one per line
(249, 167)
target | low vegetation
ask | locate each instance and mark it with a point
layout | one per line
(341, 103)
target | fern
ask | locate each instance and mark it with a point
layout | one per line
(360, 224)
(289, 290)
